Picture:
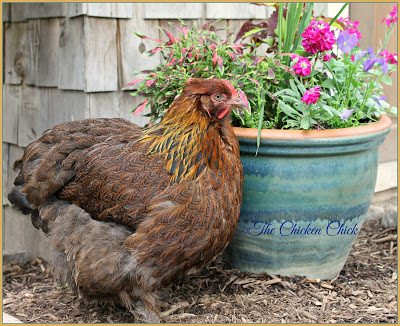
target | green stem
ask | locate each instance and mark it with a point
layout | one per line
(386, 39)
(367, 93)
(338, 14)
(333, 75)
(313, 70)
(280, 19)
(261, 104)
(347, 99)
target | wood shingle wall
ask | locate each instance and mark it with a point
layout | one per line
(70, 61)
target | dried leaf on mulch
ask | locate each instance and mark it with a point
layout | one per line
(364, 292)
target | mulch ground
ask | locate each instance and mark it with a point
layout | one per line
(364, 292)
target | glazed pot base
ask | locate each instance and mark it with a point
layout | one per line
(299, 178)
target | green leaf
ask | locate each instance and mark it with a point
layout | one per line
(290, 99)
(294, 87)
(305, 122)
(338, 14)
(288, 110)
(303, 24)
(386, 80)
(253, 31)
(328, 83)
(261, 104)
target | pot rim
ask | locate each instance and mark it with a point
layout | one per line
(383, 123)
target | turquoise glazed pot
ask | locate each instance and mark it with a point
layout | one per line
(305, 197)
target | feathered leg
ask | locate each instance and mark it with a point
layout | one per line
(92, 258)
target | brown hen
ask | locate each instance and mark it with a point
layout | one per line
(128, 210)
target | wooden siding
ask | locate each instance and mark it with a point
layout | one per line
(70, 61)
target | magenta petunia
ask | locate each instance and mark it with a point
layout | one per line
(318, 37)
(312, 95)
(327, 57)
(302, 66)
(350, 26)
(389, 57)
(391, 18)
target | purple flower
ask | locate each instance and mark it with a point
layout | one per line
(360, 55)
(382, 62)
(346, 114)
(347, 41)
(379, 99)
(369, 63)
(373, 59)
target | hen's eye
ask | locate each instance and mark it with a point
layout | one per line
(218, 97)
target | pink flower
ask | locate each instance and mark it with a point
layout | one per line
(327, 57)
(391, 18)
(350, 26)
(294, 57)
(389, 57)
(318, 37)
(311, 95)
(302, 67)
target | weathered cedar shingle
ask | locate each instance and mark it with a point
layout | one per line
(11, 102)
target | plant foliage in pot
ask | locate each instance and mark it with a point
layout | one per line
(309, 142)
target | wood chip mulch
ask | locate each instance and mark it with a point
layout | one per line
(364, 292)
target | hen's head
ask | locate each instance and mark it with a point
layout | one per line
(217, 96)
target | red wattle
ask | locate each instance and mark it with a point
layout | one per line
(223, 113)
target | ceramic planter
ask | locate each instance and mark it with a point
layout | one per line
(305, 197)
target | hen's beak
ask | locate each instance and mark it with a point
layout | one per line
(240, 102)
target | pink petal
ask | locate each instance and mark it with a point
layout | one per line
(134, 82)
(139, 109)
(150, 82)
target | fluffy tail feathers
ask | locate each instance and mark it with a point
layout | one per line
(92, 257)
